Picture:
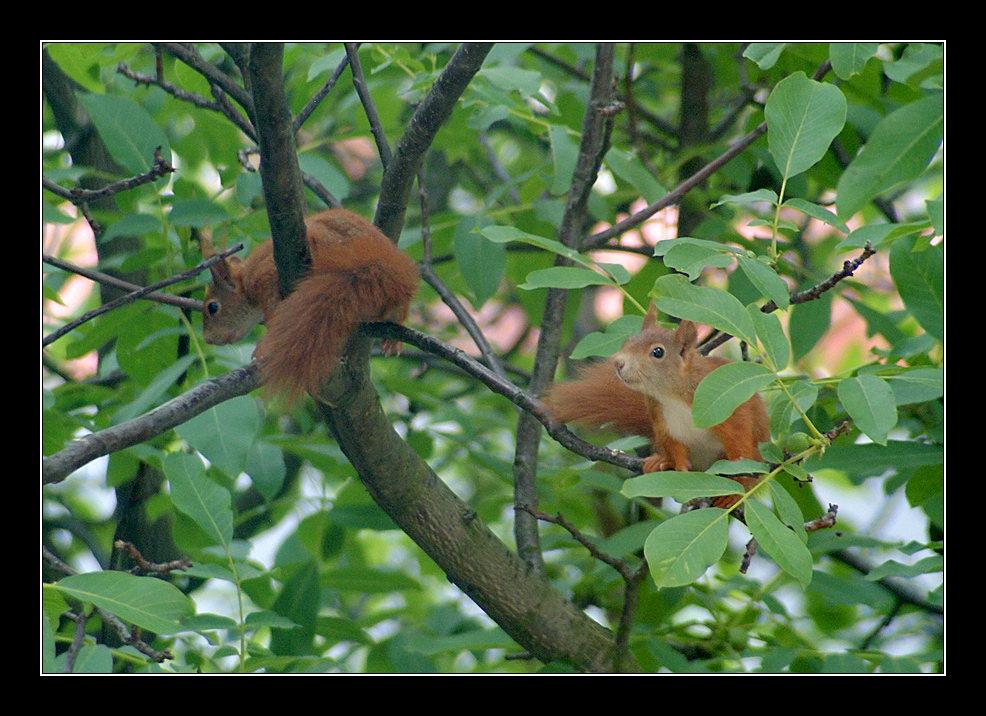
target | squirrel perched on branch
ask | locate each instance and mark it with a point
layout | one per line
(357, 275)
(647, 389)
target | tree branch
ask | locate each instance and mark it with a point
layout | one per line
(181, 409)
(595, 135)
(452, 534)
(395, 189)
(284, 193)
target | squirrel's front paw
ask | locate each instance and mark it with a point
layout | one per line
(656, 463)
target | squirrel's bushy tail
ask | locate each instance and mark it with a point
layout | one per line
(599, 399)
(355, 282)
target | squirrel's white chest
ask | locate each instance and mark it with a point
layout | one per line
(703, 446)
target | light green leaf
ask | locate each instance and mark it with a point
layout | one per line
(146, 602)
(627, 166)
(803, 117)
(920, 280)
(564, 152)
(725, 389)
(482, 263)
(898, 151)
(787, 510)
(506, 234)
(751, 197)
(817, 212)
(680, 486)
(202, 499)
(849, 58)
(783, 413)
(780, 543)
(713, 307)
(766, 280)
(917, 385)
(870, 403)
(127, 130)
(197, 213)
(737, 467)
(570, 277)
(225, 433)
(679, 550)
(890, 568)
(610, 340)
(691, 256)
(772, 338)
(764, 54)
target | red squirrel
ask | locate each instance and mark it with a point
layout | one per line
(357, 275)
(647, 389)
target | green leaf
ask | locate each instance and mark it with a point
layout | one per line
(725, 389)
(127, 130)
(803, 117)
(764, 54)
(506, 234)
(787, 510)
(265, 618)
(691, 256)
(202, 499)
(197, 213)
(817, 212)
(609, 341)
(917, 385)
(146, 602)
(772, 338)
(783, 413)
(743, 466)
(766, 280)
(808, 322)
(564, 152)
(751, 197)
(849, 58)
(890, 568)
(368, 581)
(713, 307)
(679, 550)
(527, 82)
(627, 166)
(779, 542)
(152, 394)
(920, 279)
(225, 434)
(570, 277)
(482, 263)
(898, 151)
(870, 403)
(680, 486)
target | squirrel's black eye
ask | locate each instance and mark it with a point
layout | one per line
(212, 307)
(657, 352)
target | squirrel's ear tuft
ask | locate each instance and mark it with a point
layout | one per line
(686, 333)
(650, 320)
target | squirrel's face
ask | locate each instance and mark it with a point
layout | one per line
(227, 318)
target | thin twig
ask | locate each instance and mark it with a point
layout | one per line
(145, 292)
(160, 167)
(180, 564)
(369, 106)
(848, 268)
(448, 296)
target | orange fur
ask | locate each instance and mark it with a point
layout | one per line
(356, 276)
(647, 389)
(599, 399)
